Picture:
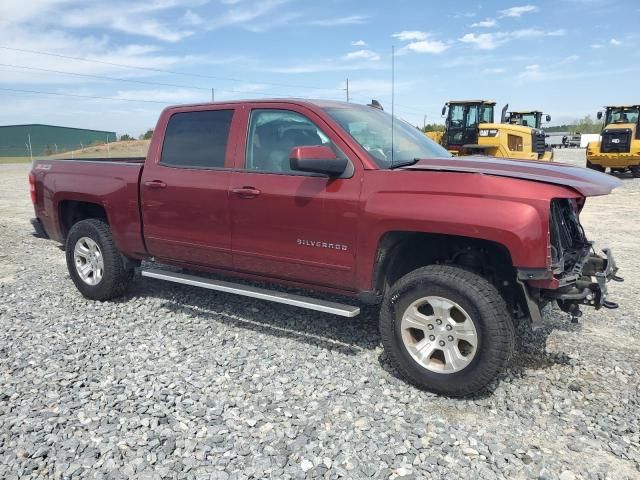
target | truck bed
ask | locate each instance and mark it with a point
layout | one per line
(109, 183)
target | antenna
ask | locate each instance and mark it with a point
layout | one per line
(393, 85)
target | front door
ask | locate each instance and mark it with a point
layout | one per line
(185, 206)
(287, 224)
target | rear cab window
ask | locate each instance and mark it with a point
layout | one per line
(197, 139)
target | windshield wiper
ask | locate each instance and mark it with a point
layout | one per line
(404, 164)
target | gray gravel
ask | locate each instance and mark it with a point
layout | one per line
(176, 382)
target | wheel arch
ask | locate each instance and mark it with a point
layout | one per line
(400, 252)
(71, 212)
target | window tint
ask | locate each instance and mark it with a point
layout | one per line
(472, 116)
(487, 114)
(456, 115)
(272, 135)
(197, 139)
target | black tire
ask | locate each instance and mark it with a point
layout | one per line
(117, 273)
(593, 166)
(635, 171)
(487, 310)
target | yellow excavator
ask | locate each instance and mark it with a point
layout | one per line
(470, 129)
(619, 144)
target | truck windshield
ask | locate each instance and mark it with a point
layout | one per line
(371, 128)
(622, 115)
(525, 119)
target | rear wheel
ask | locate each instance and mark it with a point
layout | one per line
(446, 330)
(594, 166)
(95, 265)
(635, 171)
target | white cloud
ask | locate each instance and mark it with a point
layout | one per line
(419, 42)
(530, 73)
(615, 42)
(407, 35)
(122, 17)
(493, 71)
(425, 46)
(490, 41)
(487, 23)
(192, 18)
(170, 96)
(340, 21)
(483, 41)
(518, 11)
(359, 43)
(362, 55)
(596, 45)
(569, 59)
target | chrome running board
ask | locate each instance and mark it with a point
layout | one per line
(254, 292)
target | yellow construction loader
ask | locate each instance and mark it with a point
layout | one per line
(470, 129)
(531, 118)
(619, 144)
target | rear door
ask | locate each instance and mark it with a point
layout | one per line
(184, 192)
(286, 224)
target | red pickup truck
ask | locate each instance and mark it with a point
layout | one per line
(337, 198)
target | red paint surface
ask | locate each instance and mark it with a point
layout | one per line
(304, 230)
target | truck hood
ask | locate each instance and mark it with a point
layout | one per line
(587, 182)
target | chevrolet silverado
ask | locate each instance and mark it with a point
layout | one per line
(337, 198)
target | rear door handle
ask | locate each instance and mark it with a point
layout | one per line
(155, 184)
(246, 192)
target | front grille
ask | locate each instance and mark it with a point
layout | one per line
(568, 240)
(538, 141)
(616, 141)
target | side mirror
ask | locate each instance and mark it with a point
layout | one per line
(317, 159)
(548, 118)
(599, 115)
(444, 110)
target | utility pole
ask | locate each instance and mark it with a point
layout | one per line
(30, 150)
(213, 95)
(393, 96)
(347, 90)
(424, 123)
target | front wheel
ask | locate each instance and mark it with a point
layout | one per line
(446, 330)
(95, 265)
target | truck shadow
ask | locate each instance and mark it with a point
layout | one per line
(530, 353)
(349, 336)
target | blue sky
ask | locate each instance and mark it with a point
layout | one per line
(566, 57)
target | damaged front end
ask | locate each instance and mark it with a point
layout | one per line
(579, 275)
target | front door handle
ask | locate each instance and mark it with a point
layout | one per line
(246, 192)
(155, 184)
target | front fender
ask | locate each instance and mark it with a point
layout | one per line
(475, 206)
(521, 228)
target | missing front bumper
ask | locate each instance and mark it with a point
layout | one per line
(591, 288)
(587, 287)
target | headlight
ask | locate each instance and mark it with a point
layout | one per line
(485, 132)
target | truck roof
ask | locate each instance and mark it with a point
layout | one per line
(456, 102)
(621, 106)
(296, 101)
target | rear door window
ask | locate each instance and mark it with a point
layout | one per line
(197, 139)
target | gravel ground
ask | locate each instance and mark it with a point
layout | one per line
(177, 382)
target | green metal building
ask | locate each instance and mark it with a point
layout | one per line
(48, 139)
